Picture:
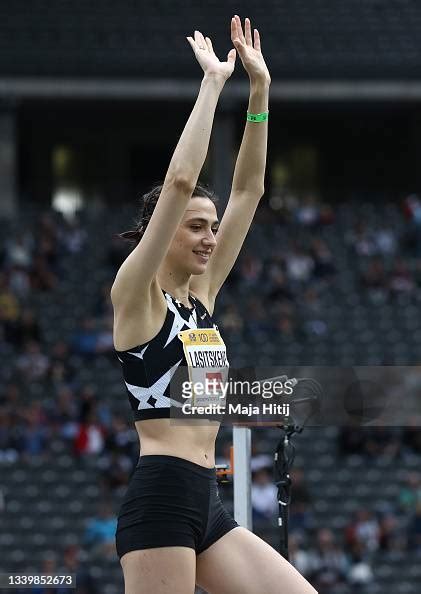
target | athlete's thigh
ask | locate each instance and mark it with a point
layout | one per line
(162, 570)
(242, 562)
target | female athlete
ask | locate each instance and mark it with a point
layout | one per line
(173, 531)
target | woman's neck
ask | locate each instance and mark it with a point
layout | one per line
(176, 285)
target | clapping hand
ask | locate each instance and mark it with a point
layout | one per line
(207, 58)
(249, 50)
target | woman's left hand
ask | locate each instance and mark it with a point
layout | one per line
(251, 57)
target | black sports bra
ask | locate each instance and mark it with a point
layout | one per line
(149, 367)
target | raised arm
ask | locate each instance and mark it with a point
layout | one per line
(137, 272)
(249, 173)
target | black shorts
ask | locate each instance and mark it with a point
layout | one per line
(171, 502)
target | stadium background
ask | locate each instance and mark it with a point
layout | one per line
(93, 98)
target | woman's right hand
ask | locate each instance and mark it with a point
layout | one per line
(207, 58)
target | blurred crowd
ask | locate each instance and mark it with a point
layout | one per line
(330, 558)
(283, 293)
(282, 290)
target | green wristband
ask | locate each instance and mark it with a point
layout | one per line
(257, 117)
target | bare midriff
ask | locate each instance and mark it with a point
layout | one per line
(192, 440)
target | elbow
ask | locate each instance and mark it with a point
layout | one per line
(184, 183)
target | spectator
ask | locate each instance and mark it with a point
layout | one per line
(375, 281)
(121, 438)
(10, 444)
(360, 573)
(73, 563)
(9, 304)
(385, 241)
(364, 530)
(301, 494)
(231, 321)
(401, 281)
(392, 537)
(64, 413)
(361, 240)
(100, 533)
(307, 213)
(115, 472)
(414, 530)
(35, 433)
(412, 208)
(47, 242)
(301, 519)
(285, 326)
(90, 437)
(326, 215)
(312, 313)
(263, 490)
(299, 267)
(85, 339)
(49, 566)
(62, 370)
(33, 363)
(329, 564)
(278, 287)
(25, 329)
(18, 250)
(288, 204)
(103, 306)
(105, 343)
(41, 276)
(87, 401)
(410, 494)
(412, 211)
(255, 319)
(19, 282)
(298, 556)
(73, 237)
(324, 266)
(250, 268)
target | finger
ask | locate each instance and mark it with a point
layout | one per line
(232, 54)
(239, 29)
(234, 35)
(247, 28)
(209, 44)
(197, 39)
(192, 43)
(203, 43)
(257, 40)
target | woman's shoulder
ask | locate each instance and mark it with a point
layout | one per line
(139, 323)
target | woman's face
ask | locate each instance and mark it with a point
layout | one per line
(195, 238)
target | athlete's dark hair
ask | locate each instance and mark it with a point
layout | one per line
(147, 206)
